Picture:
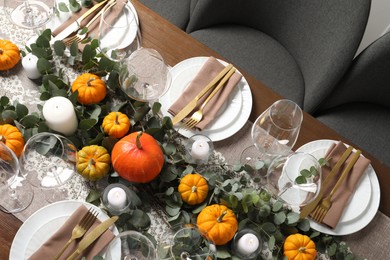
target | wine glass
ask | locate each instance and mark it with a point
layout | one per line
(274, 133)
(294, 178)
(119, 34)
(30, 14)
(130, 245)
(144, 75)
(14, 196)
(48, 162)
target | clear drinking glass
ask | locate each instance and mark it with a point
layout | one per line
(30, 14)
(48, 162)
(119, 33)
(145, 75)
(294, 178)
(14, 195)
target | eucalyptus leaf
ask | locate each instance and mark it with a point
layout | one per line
(9, 116)
(44, 66)
(63, 7)
(4, 100)
(87, 124)
(279, 218)
(292, 218)
(140, 219)
(74, 49)
(21, 110)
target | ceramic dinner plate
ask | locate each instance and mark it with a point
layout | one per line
(41, 225)
(362, 206)
(232, 116)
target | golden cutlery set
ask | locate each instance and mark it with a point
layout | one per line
(319, 207)
(214, 86)
(81, 229)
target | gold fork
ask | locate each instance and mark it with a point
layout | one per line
(79, 37)
(198, 115)
(322, 209)
(80, 229)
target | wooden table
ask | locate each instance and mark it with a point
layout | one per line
(175, 46)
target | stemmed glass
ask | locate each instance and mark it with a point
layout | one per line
(119, 34)
(30, 14)
(14, 196)
(274, 133)
(48, 162)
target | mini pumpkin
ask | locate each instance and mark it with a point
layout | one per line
(9, 55)
(193, 188)
(299, 247)
(218, 222)
(116, 124)
(93, 162)
(137, 157)
(12, 137)
(91, 89)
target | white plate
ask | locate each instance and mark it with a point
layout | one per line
(231, 117)
(41, 225)
(362, 206)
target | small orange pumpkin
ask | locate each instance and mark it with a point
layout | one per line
(218, 222)
(93, 162)
(116, 124)
(299, 247)
(12, 137)
(91, 89)
(137, 157)
(9, 55)
(193, 188)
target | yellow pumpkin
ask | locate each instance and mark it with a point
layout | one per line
(218, 222)
(9, 55)
(12, 137)
(93, 162)
(116, 124)
(193, 189)
(299, 247)
(91, 89)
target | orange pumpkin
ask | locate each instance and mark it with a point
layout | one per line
(137, 157)
(218, 222)
(116, 124)
(12, 137)
(299, 247)
(193, 188)
(9, 55)
(91, 89)
(93, 162)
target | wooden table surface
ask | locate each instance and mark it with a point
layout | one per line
(175, 46)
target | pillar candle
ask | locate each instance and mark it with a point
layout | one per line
(200, 150)
(60, 115)
(247, 244)
(29, 63)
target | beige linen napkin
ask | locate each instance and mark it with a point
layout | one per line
(93, 30)
(209, 71)
(347, 188)
(55, 243)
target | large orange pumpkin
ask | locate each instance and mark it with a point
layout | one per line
(9, 55)
(218, 222)
(299, 247)
(12, 137)
(90, 87)
(137, 157)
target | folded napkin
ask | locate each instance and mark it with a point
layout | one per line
(208, 72)
(55, 243)
(93, 29)
(347, 188)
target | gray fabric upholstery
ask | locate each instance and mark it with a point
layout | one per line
(359, 107)
(175, 11)
(321, 36)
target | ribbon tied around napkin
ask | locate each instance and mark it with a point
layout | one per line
(343, 194)
(208, 72)
(54, 244)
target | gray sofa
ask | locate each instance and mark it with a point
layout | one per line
(303, 50)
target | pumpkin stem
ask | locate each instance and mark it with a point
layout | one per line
(89, 81)
(302, 249)
(117, 118)
(137, 141)
(2, 138)
(194, 188)
(219, 219)
(91, 162)
(1, 51)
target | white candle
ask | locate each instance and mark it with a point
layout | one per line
(29, 63)
(200, 150)
(247, 244)
(117, 198)
(60, 115)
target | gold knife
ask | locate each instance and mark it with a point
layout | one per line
(92, 236)
(306, 210)
(192, 104)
